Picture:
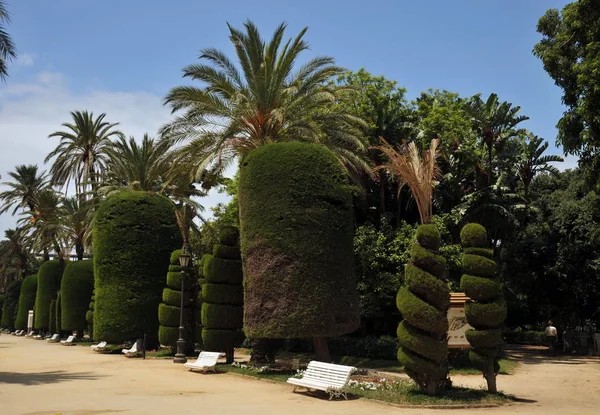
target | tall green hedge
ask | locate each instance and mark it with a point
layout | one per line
(486, 311)
(11, 304)
(222, 297)
(58, 313)
(26, 301)
(52, 328)
(89, 315)
(1, 305)
(76, 291)
(134, 235)
(49, 277)
(297, 243)
(170, 309)
(424, 301)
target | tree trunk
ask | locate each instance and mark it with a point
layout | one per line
(432, 389)
(229, 356)
(321, 349)
(79, 250)
(490, 377)
(263, 351)
(46, 255)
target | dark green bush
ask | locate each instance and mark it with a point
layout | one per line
(486, 311)
(220, 316)
(423, 302)
(134, 236)
(223, 294)
(533, 338)
(227, 252)
(52, 327)
(171, 297)
(58, 314)
(384, 347)
(89, 317)
(297, 243)
(223, 271)
(169, 315)
(76, 291)
(1, 305)
(49, 279)
(228, 235)
(214, 339)
(11, 304)
(26, 301)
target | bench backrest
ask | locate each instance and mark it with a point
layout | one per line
(69, 339)
(101, 345)
(328, 373)
(207, 358)
(54, 337)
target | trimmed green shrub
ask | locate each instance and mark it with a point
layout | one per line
(58, 313)
(134, 236)
(11, 304)
(222, 296)
(52, 327)
(533, 338)
(26, 301)
(486, 311)
(169, 310)
(297, 234)
(424, 301)
(89, 317)
(49, 279)
(1, 305)
(76, 291)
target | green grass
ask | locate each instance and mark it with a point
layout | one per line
(407, 393)
(274, 376)
(507, 367)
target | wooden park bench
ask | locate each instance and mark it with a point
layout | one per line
(326, 377)
(205, 361)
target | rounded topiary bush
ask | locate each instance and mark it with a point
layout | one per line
(11, 304)
(134, 236)
(222, 296)
(26, 301)
(58, 314)
(297, 234)
(1, 306)
(486, 311)
(76, 291)
(52, 328)
(49, 279)
(424, 301)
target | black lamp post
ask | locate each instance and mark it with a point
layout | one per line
(184, 261)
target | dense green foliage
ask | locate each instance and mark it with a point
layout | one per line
(58, 314)
(222, 312)
(134, 236)
(1, 305)
(570, 50)
(297, 234)
(11, 304)
(53, 312)
(76, 291)
(26, 301)
(486, 311)
(48, 285)
(423, 302)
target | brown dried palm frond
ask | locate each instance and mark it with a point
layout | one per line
(418, 172)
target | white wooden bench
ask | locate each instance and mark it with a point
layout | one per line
(133, 350)
(205, 361)
(98, 347)
(68, 342)
(326, 377)
(54, 339)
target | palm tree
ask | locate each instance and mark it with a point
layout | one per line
(264, 98)
(138, 167)
(533, 161)
(7, 47)
(17, 248)
(28, 183)
(81, 155)
(418, 172)
(77, 224)
(495, 123)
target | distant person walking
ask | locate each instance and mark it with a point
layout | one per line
(551, 337)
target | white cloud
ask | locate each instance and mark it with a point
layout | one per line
(30, 111)
(571, 162)
(25, 59)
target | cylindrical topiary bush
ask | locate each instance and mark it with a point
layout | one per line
(424, 301)
(222, 313)
(89, 315)
(486, 311)
(11, 305)
(170, 308)
(76, 291)
(26, 301)
(49, 279)
(1, 306)
(58, 314)
(134, 235)
(52, 328)
(199, 300)
(296, 224)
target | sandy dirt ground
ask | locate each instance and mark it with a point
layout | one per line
(37, 378)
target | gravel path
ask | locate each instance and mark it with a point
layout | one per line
(47, 379)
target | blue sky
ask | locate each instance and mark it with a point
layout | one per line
(122, 56)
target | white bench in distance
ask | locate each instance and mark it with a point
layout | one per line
(130, 351)
(54, 339)
(98, 347)
(205, 361)
(326, 377)
(68, 342)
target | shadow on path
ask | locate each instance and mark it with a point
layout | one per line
(42, 378)
(539, 354)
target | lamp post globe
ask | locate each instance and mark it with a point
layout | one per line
(184, 261)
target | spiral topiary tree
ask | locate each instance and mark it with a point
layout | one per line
(26, 301)
(11, 305)
(76, 291)
(297, 244)
(198, 300)
(49, 278)
(134, 235)
(486, 311)
(169, 309)
(223, 296)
